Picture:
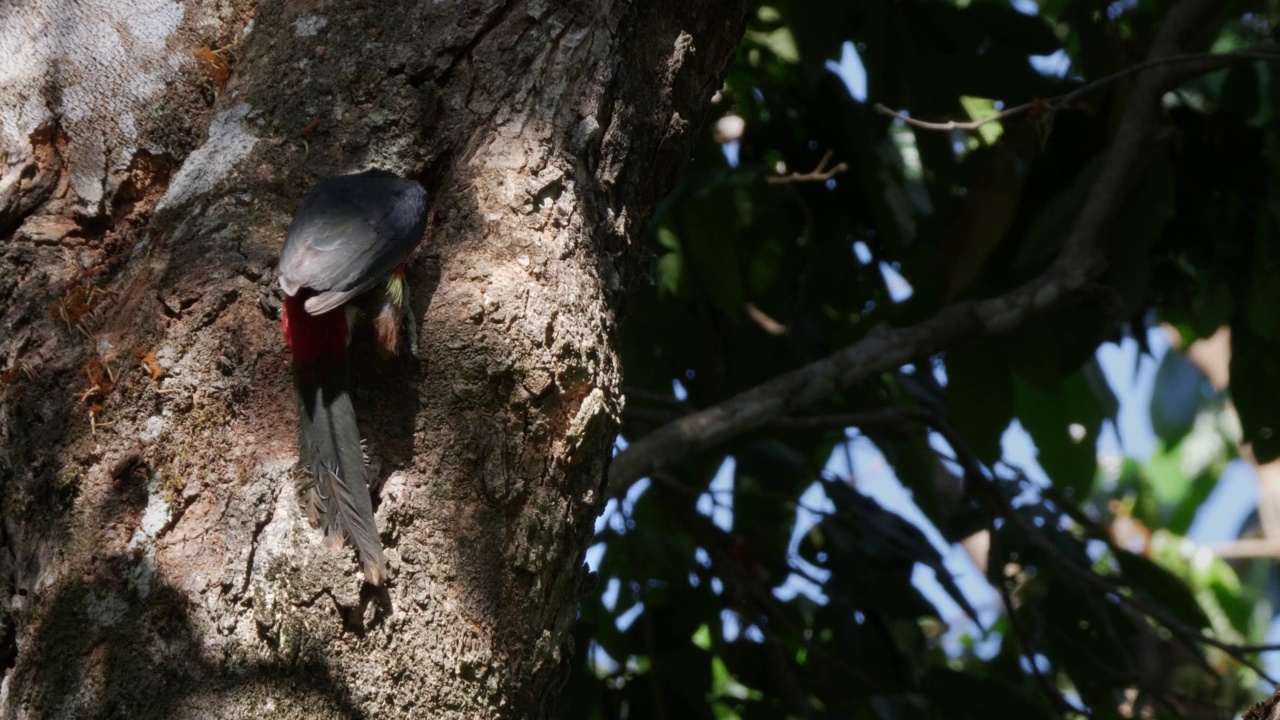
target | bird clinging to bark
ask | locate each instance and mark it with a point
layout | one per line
(343, 257)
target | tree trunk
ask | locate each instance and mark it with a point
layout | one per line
(158, 562)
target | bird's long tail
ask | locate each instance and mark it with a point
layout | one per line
(330, 444)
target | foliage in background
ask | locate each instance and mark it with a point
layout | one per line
(787, 592)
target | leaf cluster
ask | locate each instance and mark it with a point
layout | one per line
(760, 579)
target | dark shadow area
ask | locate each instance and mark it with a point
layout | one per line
(120, 644)
(101, 650)
(384, 391)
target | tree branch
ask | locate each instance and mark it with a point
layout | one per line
(1247, 548)
(883, 349)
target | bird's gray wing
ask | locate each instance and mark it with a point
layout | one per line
(349, 234)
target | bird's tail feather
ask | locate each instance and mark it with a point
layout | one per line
(339, 501)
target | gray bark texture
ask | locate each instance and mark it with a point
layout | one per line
(156, 560)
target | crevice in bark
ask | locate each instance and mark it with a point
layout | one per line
(8, 646)
(40, 179)
(258, 527)
(494, 20)
(146, 178)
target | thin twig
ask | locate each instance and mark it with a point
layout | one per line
(950, 125)
(1025, 642)
(1163, 696)
(780, 498)
(1158, 614)
(710, 537)
(764, 321)
(1002, 506)
(819, 174)
(974, 472)
(1212, 61)
(1073, 512)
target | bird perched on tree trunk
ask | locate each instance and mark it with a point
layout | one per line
(343, 257)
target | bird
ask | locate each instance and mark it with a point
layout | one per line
(343, 258)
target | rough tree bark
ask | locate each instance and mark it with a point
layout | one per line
(156, 561)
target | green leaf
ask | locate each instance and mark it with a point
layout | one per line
(1264, 281)
(1165, 480)
(976, 698)
(1238, 604)
(1245, 92)
(667, 238)
(711, 234)
(980, 396)
(1149, 206)
(1255, 389)
(1211, 307)
(980, 109)
(1098, 384)
(915, 465)
(1181, 389)
(818, 30)
(670, 272)
(1170, 488)
(1161, 587)
(1065, 426)
(1049, 230)
(1005, 26)
(996, 176)
(779, 42)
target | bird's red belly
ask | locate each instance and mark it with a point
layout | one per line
(317, 342)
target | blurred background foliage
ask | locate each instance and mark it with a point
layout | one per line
(765, 579)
